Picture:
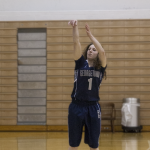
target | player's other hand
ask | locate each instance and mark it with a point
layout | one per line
(73, 23)
(88, 31)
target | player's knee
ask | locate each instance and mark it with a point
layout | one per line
(72, 148)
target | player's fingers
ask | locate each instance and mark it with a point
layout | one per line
(76, 22)
(86, 28)
(73, 22)
(69, 23)
(87, 25)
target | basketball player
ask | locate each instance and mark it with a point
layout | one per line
(84, 110)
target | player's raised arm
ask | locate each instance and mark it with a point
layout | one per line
(97, 45)
(77, 45)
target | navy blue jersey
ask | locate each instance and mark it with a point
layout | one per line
(87, 81)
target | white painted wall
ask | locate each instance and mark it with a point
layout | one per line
(80, 9)
(58, 5)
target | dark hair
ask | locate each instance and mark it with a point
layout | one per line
(96, 61)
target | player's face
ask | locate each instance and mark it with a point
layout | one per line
(92, 52)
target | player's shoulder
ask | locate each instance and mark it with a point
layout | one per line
(80, 62)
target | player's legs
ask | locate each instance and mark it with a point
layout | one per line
(75, 125)
(92, 126)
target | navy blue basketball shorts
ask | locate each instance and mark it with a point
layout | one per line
(88, 116)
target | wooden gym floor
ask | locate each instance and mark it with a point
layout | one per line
(59, 141)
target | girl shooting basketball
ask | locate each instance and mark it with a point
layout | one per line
(84, 110)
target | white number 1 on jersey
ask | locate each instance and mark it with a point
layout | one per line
(90, 83)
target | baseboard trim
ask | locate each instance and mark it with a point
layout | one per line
(54, 128)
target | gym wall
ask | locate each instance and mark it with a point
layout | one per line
(127, 47)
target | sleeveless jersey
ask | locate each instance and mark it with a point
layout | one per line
(87, 81)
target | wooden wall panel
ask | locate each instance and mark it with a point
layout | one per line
(55, 31)
(9, 64)
(67, 55)
(1, 24)
(9, 56)
(54, 48)
(8, 73)
(8, 32)
(127, 49)
(127, 46)
(8, 48)
(55, 97)
(8, 40)
(8, 97)
(8, 120)
(66, 97)
(11, 113)
(6, 81)
(54, 72)
(54, 121)
(11, 25)
(8, 105)
(54, 55)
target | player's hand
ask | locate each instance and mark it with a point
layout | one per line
(73, 23)
(89, 34)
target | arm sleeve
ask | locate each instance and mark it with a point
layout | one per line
(103, 70)
(79, 63)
